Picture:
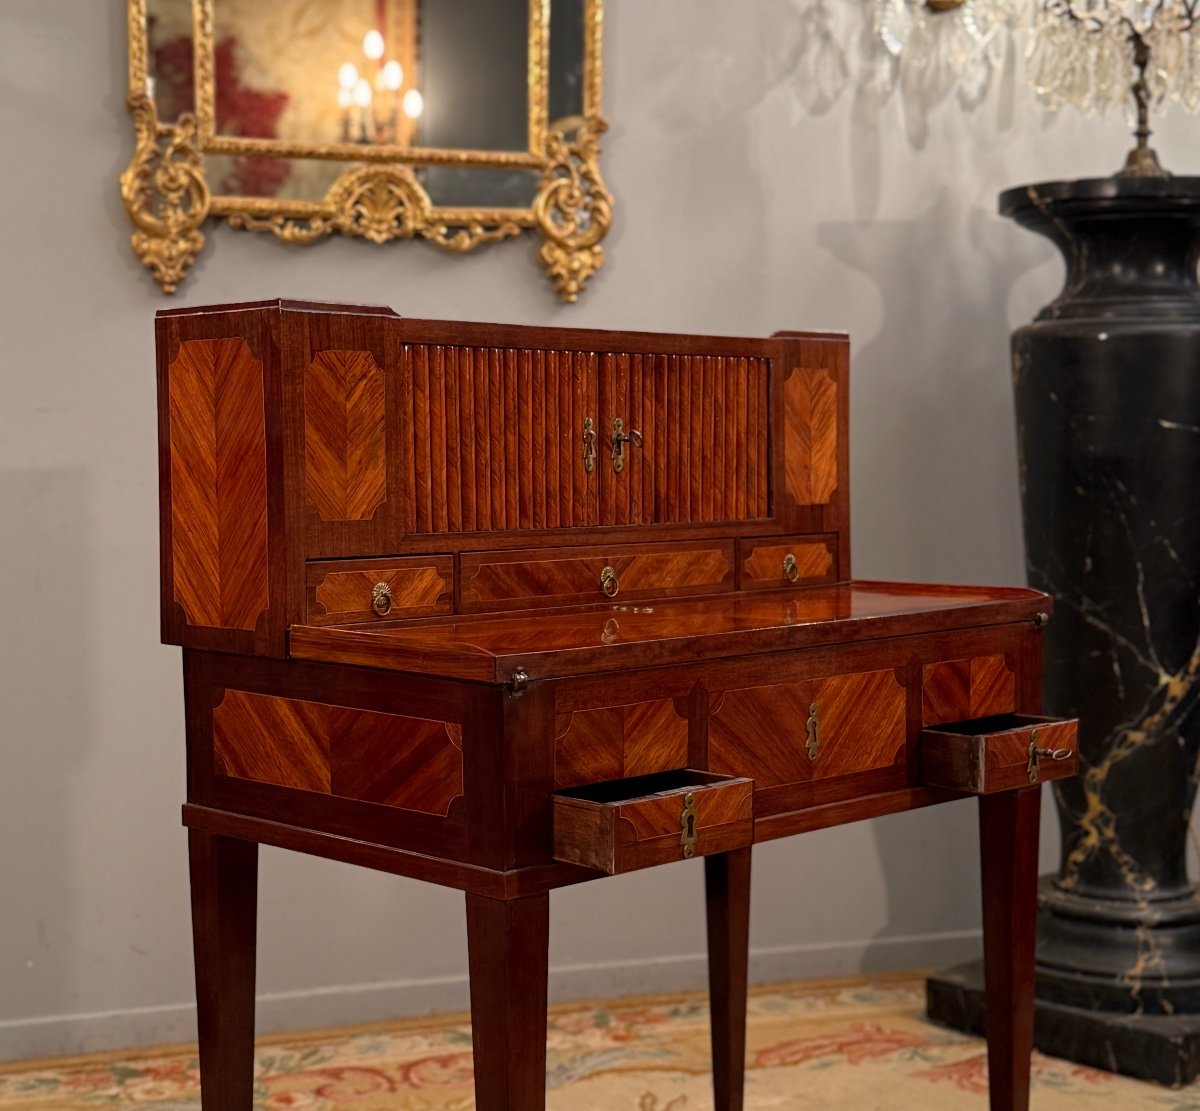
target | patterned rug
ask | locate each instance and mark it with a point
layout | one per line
(812, 1046)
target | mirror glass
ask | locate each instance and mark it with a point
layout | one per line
(416, 74)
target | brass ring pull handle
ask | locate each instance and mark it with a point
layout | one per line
(381, 599)
(589, 445)
(619, 439)
(609, 582)
(687, 822)
(1037, 753)
(791, 569)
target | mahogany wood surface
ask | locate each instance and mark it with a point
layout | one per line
(583, 641)
(1008, 828)
(727, 885)
(983, 762)
(638, 823)
(508, 942)
(447, 591)
(224, 875)
(341, 593)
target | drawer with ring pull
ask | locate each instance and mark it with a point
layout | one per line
(343, 592)
(626, 824)
(776, 563)
(1000, 753)
(571, 576)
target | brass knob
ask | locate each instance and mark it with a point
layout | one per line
(791, 570)
(381, 599)
(609, 582)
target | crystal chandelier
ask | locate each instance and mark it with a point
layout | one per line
(1092, 55)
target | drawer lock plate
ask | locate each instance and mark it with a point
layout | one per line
(812, 743)
(1036, 754)
(688, 823)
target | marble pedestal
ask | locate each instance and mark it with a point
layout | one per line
(1107, 383)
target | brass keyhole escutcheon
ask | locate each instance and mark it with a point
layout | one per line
(619, 439)
(812, 729)
(381, 599)
(1036, 754)
(609, 582)
(791, 569)
(589, 445)
(688, 824)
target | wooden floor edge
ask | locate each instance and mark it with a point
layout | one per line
(442, 1021)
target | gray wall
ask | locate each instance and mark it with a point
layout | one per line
(738, 212)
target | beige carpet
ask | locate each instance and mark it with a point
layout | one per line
(817, 1046)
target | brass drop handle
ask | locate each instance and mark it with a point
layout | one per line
(619, 439)
(812, 733)
(791, 569)
(609, 582)
(381, 599)
(687, 822)
(589, 445)
(1036, 753)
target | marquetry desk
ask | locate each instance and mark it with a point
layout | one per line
(507, 609)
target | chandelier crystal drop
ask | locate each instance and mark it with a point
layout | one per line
(1091, 55)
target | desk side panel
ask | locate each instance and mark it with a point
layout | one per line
(220, 463)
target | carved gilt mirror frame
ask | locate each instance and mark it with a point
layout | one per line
(170, 192)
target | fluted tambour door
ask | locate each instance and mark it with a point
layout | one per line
(704, 455)
(496, 439)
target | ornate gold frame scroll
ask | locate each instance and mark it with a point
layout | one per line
(169, 199)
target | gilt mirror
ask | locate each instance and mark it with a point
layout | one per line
(458, 122)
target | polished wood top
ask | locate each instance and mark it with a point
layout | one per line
(490, 648)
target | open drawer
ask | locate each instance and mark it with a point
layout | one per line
(626, 824)
(1000, 753)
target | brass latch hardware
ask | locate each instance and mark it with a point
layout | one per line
(609, 582)
(381, 598)
(812, 729)
(688, 823)
(518, 683)
(589, 445)
(619, 439)
(1035, 753)
(791, 570)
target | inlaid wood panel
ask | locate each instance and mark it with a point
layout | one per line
(810, 404)
(958, 690)
(620, 827)
(561, 576)
(343, 592)
(345, 436)
(764, 562)
(497, 439)
(218, 484)
(405, 762)
(616, 742)
(704, 422)
(763, 731)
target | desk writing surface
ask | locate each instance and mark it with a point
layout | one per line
(546, 645)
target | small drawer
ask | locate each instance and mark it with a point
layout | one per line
(1000, 753)
(571, 576)
(776, 563)
(349, 591)
(627, 824)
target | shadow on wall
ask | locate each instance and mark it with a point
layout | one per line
(930, 387)
(46, 562)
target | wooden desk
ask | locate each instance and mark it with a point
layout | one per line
(507, 609)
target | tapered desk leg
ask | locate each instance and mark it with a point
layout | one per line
(224, 924)
(727, 882)
(1008, 826)
(509, 948)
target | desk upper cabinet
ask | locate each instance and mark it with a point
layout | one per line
(508, 608)
(294, 433)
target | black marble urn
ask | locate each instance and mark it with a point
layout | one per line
(1107, 382)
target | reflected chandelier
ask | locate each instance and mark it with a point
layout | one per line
(1093, 55)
